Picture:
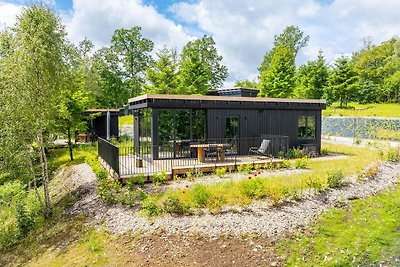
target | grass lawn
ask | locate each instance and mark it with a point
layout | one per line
(274, 189)
(364, 234)
(377, 110)
(125, 120)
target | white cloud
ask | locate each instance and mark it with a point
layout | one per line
(8, 13)
(243, 30)
(98, 19)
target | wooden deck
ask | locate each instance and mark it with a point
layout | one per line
(183, 165)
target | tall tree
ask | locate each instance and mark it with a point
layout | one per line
(278, 80)
(291, 37)
(246, 83)
(342, 81)
(36, 73)
(278, 67)
(163, 73)
(133, 51)
(201, 68)
(312, 78)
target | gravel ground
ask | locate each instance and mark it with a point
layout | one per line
(261, 217)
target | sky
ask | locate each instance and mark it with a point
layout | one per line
(243, 30)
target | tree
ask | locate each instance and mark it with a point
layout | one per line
(200, 67)
(291, 37)
(342, 81)
(133, 51)
(35, 73)
(312, 78)
(246, 83)
(278, 79)
(75, 94)
(111, 91)
(163, 73)
(278, 67)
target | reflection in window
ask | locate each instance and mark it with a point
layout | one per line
(306, 127)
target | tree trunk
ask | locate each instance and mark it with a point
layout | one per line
(45, 170)
(35, 185)
(71, 156)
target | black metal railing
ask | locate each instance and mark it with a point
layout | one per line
(110, 154)
(191, 154)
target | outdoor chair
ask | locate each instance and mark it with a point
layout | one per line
(263, 150)
(232, 149)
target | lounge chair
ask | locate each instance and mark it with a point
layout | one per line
(263, 150)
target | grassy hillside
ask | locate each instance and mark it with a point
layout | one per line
(377, 110)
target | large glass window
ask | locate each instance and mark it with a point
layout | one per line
(306, 127)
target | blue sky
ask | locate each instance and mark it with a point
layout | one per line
(243, 30)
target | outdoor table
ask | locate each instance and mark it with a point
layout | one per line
(201, 148)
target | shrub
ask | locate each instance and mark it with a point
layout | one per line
(159, 177)
(275, 194)
(109, 191)
(139, 179)
(369, 172)
(334, 178)
(248, 168)
(200, 195)
(301, 163)
(315, 183)
(252, 188)
(25, 219)
(295, 153)
(11, 192)
(277, 166)
(257, 167)
(281, 154)
(391, 154)
(241, 168)
(286, 164)
(150, 207)
(173, 205)
(220, 172)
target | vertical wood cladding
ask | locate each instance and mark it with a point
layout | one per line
(254, 123)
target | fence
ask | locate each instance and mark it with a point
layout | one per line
(362, 127)
(191, 154)
(110, 154)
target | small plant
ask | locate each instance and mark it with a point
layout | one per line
(334, 178)
(189, 176)
(281, 154)
(252, 188)
(141, 194)
(200, 195)
(177, 177)
(150, 207)
(295, 153)
(248, 168)
(391, 154)
(257, 167)
(269, 166)
(369, 172)
(241, 168)
(136, 180)
(25, 220)
(159, 178)
(220, 172)
(277, 166)
(315, 183)
(173, 205)
(286, 164)
(301, 163)
(275, 194)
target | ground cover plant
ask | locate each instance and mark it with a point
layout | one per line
(355, 110)
(321, 175)
(366, 233)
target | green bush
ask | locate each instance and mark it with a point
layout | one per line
(25, 219)
(248, 168)
(173, 205)
(200, 195)
(391, 154)
(220, 172)
(301, 163)
(335, 178)
(241, 168)
(252, 188)
(159, 178)
(315, 183)
(11, 192)
(139, 180)
(295, 153)
(150, 207)
(286, 164)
